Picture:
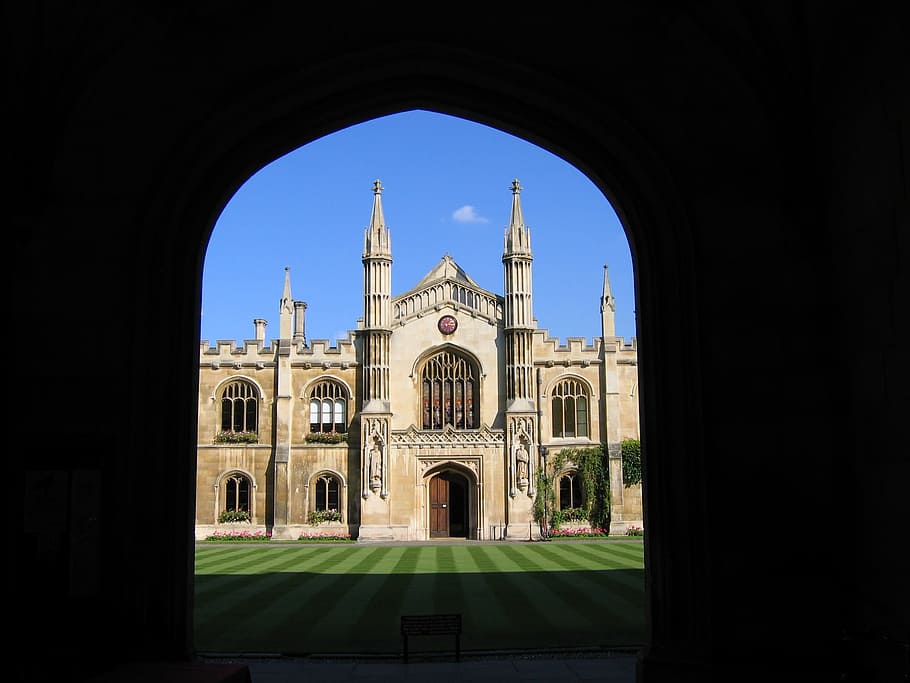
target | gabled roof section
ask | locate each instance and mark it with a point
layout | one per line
(447, 285)
(446, 269)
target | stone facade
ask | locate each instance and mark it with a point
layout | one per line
(445, 394)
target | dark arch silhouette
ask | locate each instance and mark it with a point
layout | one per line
(753, 155)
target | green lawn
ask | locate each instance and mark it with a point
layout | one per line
(300, 599)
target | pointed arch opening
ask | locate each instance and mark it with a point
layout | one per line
(451, 503)
(449, 417)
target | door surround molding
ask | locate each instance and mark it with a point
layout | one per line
(469, 467)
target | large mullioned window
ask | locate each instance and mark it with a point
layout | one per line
(570, 409)
(449, 392)
(328, 407)
(239, 407)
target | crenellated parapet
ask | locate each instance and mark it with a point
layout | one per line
(255, 352)
(319, 349)
(548, 348)
(227, 353)
(574, 350)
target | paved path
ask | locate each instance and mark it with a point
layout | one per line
(607, 668)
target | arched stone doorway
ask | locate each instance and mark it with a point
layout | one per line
(451, 504)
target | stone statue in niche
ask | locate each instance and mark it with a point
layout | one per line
(375, 466)
(521, 466)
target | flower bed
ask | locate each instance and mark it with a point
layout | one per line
(237, 536)
(578, 532)
(325, 537)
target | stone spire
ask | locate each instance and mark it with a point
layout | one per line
(518, 237)
(286, 309)
(377, 305)
(607, 308)
(519, 311)
(376, 239)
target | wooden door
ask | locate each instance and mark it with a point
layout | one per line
(439, 507)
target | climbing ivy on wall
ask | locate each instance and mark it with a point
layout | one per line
(594, 470)
(631, 462)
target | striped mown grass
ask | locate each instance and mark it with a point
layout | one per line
(325, 599)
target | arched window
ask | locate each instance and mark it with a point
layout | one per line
(570, 494)
(327, 493)
(449, 392)
(240, 407)
(326, 505)
(328, 407)
(237, 489)
(570, 409)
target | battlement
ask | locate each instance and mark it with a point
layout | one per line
(229, 348)
(577, 350)
(323, 347)
(229, 353)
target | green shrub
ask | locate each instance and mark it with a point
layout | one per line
(593, 468)
(631, 462)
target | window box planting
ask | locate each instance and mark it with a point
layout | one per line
(326, 437)
(560, 517)
(231, 516)
(228, 436)
(319, 516)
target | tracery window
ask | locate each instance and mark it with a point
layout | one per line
(570, 409)
(449, 392)
(240, 407)
(328, 407)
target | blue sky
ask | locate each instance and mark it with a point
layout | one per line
(446, 190)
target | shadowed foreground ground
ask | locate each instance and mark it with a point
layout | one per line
(306, 600)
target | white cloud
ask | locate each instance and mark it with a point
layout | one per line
(467, 214)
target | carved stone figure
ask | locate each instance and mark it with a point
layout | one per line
(521, 462)
(375, 467)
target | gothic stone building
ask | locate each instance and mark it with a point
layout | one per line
(429, 421)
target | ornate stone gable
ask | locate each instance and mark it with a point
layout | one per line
(485, 437)
(447, 284)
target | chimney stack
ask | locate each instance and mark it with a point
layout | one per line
(260, 330)
(300, 322)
